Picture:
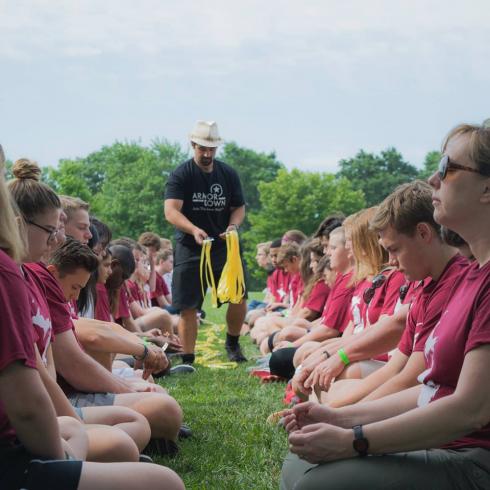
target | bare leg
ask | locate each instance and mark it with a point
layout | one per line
(130, 421)
(162, 412)
(74, 437)
(188, 330)
(235, 316)
(155, 318)
(110, 445)
(128, 476)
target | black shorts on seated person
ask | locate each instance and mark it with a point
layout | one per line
(21, 470)
(186, 278)
(281, 362)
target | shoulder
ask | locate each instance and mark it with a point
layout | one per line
(10, 273)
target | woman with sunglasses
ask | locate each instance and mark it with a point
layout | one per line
(450, 411)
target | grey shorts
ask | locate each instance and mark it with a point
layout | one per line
(80, 400)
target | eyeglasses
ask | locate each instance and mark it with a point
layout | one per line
(52, 232)
(368, 294)
(445, 165)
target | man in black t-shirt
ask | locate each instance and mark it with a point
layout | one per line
(203, 198)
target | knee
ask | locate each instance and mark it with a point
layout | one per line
(123, 447)
(69, 427)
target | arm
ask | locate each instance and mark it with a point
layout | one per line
(80, 370)
(136, 309)
(61, 404)
(98, 336)
(381, 337)
(30, 411)
(444, 420)
(237, 216)
(130, 325)
(174, 215)
(373, 383)
(318, 333)
(406, 378)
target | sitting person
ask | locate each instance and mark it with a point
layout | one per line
(162, 295)
(410, 235)
(288, 259)
(440, 429)
(277, 287)
(313, 300)
(262, 259)
(77, 224)
(34, 455)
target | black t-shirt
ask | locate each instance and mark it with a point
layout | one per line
(208, 198)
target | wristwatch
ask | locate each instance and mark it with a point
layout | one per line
(360, 443)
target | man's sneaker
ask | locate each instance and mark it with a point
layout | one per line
(185, 432)
(162, 447)
(144, 458)
(234, 353)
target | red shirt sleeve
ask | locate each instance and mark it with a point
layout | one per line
(318, 297)
(336, 313)
(59, 310)
(102, 306)
(123, 309)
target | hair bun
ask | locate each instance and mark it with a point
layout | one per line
(24, 169)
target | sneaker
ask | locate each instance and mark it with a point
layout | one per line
(182, 369)
(162, 447)
(234, 353)
(185, 432)
(144, 458)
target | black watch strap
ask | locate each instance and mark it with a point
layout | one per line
(360, 443)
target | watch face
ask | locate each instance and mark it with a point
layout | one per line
(361, 445)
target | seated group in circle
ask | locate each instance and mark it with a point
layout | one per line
(394, 366)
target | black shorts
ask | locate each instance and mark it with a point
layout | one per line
(20, 469)
(186, 279)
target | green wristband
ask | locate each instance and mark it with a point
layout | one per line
(343, 357)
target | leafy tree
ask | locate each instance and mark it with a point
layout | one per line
(431, 163)
(298, 200)
(124, 183)
(377, 175)
(253, 168)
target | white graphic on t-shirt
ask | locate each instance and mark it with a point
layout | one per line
(45, 325)
(356, 314)
(429, 388)
(281, 293)
(214, 199)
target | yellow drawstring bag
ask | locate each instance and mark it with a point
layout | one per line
(231, 285)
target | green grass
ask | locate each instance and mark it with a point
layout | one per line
(232, 447)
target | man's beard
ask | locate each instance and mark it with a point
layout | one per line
(206, 162)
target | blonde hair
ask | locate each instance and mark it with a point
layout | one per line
(478, 143)
(370, 257)
(72, 204)
(11, 241)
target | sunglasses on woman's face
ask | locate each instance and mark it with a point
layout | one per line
(368, 294)
(446, 164)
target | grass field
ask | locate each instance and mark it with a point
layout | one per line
(232, 447)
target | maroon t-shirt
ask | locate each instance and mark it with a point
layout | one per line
(41, 320)
(279, 285)
(318, 297)
(464, 325)
(295, 289)
(426, 308)
(358, 307)
(102, 305)
(136, 293)
(336, 311)
(16, 340)
(385, 297)
(161, 288)
(59, 309)
(123, 308)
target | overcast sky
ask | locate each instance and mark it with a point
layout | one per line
(314, 81)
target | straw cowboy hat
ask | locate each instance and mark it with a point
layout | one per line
(205, 133)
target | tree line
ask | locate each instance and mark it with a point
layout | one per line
(124, 184)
